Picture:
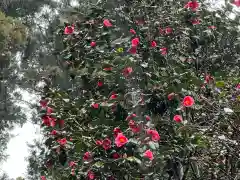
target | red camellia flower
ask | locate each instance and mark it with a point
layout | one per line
(163, 51)
(134, 127)
(148, 118)
(100, 83)
(107, 23)
(120, 140)
(153, 44)
(99, 142)
(135, 42)
(116, 156)
(61, 123)
(46, 120)
(148, 154)
(237, 3)
(86, 156)
(91, 175)
(127, 71)
(154, 134)
(132, 31)
(188, 101)
(72, 164)
(116, 131)
(193, 5)
(95, 105)
(43, 178)
(43, 103)
(69, 30)
(107, 69)
(106, 144)
(113, 96)
(133, 50)
(168, 30)
(49, 110)
(93, 44)
(62, 141)
(177, 118)
(54, 132)
(195, 21)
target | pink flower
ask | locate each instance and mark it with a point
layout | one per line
(72, 164)
(153, 44)
(208, 78)
(171, 96)
(133, 50)
(52, 122)
(148, 154)
(238, 86)
(188, 101)
(93, 44)
(54, 132)
(177, 118)
(95, 105)
(163, 51)
(99, 142)
(212, 27)
(107, 23)
(49, 110)
(120, 140)
(116, 131)
(43, 103)
(86, 156)
(154, 134)
(91, 175)
(43, 178)
(107, 69)
(73, 172)
(195, 21)
(135, 42)
(106, 144)
(69, 30)
(127, 71)
(62, 141)
(168, 30)
(100, 84)
(237, 3)
(193, 5)
(132, 31)
(113, 96)
(131, 116)
(148, 118)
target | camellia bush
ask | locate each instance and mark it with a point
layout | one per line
(154, 94)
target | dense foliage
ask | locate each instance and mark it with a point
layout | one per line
(130, 89)
(153, 93)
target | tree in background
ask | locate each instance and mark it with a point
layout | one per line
(157, 98)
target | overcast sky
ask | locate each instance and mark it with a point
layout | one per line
(15, 165)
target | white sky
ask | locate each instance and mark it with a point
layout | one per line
(17, 150)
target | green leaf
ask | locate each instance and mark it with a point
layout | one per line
(220, 84)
